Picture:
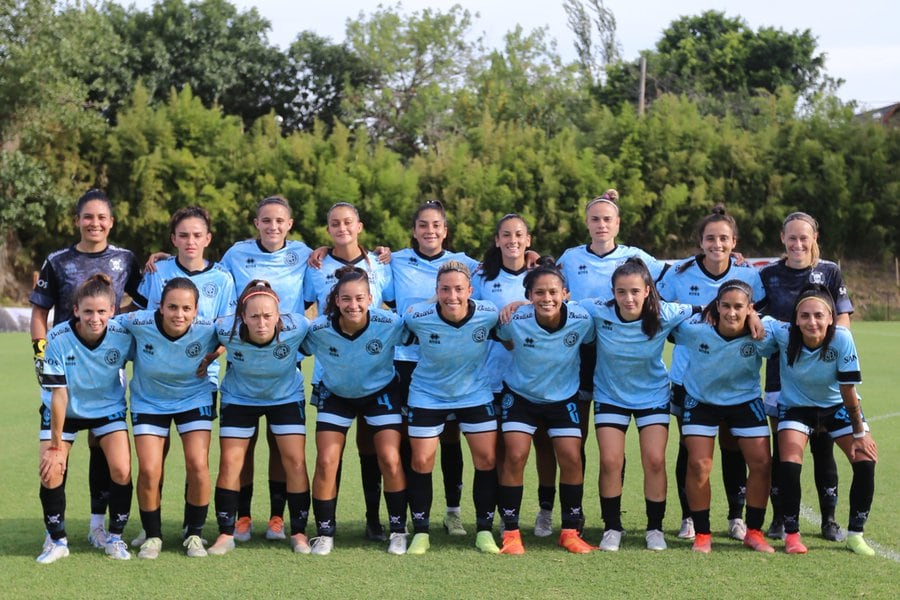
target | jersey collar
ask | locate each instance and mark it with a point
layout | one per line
(469, 314)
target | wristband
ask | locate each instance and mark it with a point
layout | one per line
(859, 436)
(39, 345)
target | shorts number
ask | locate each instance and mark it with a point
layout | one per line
(206, 411)
(385, 401)
(490, 410)
(573, 412)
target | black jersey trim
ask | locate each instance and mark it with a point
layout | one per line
(157, 318)
(264, 250)
(563, 317)
(511, 272)
(55, 381)
(587, 247)
(469, 314)
(429, 258)
(189, 273)
(351, 337)
(81, 340)
(849, 376)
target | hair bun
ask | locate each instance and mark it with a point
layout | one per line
(718, 209)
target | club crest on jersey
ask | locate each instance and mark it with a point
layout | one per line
(115, 264)
(816, 277)
(194, 349)
(830, 355)
(480, 334)
(748, 350)
(571, 339)
(281, 351)
(210, 290)
(291, 258)
(112, 356)
(374, 347)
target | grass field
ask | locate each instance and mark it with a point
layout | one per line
(453, 568)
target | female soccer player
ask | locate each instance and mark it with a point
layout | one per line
(696, 280)
(355, 346)
(170, 346)
(450, 379)
(61, 274)
(81, 372)
(542, 390)
(262, 379)
(783, 281)
(722, 385)
(819, 373)
(630, 381)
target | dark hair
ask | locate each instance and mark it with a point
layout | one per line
(180, 283)
(345, 274)
(92, 194)
(278, 200)
(633, 265)
(718, 215)
(189, 212)
(255, 287)
(711, 312)
(362, 248)
(546, 265)
(429, 205)
(98, 284)
(795, 336)
(493, 256)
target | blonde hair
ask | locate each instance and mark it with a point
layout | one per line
(809, 220)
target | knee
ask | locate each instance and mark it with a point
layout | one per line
(197, 465)
(514, 460)
(421, 464)
(611, 462)
(484, 462)
(120, 473)
(654, 464)
(700, 467)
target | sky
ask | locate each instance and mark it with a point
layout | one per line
(859, 38)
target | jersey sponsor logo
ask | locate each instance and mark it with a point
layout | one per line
(70, 360)
(521, 316)
(51, 362)
(374, 347)
(497, 287)
(529, 342)
(148, 349)
(112, 356)
(480, 334)
(704, 348)
(413, 260)
(251, 262)
(578, 316)
(291, 258)
(41, 283)
(138, 322)
(116, 264)
(748, 350)
(281, 351)
(193, 350)
(238, 356)
(694, 290)
(816, 277)
(379, 319)
(419, 315)
(485, 308)
(571, 338)
(210, 290)
(434, 339)
(332, 351)
(849, 359)
(830, 355)
(320, 326)
(607, 325)
(70, 268)
(582, 270)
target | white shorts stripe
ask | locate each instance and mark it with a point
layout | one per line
(382, 420)
(564, 432)
(194, 426)
(147, 429)
(288, 429)
(515, 426)
(750, 432)
(702, 430)
(237, 432)
(334, 419)
(478, 427)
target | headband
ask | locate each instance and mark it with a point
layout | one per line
(818, 299)
(261, 293)
(599, 199)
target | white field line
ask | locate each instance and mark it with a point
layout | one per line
(813, 517)
(883, 417)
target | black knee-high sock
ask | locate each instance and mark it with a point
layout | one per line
(755, 517)
(184, 521)
(681, 463)
(484, 494)
(245, 499)
(298, 505)
(371, 485)
(324, 513)
(151, 521)
(546, 496)
(226, 509)
(510, 502)
(53, 501)
(611, 512)
(420, 494)
(570, 499)
(862, 490)
(656, 512)
(195, 517)
(452, 470)
(396, 508)
(789, 486)
(119, 506)
(277, 498)
(775, 492)
(701, 521)
(825, 472)
(734, 476)
(98, 481)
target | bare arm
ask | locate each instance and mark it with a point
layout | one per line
(843, 320)
(40, 317)
(862, 441)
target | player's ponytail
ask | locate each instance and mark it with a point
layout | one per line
(97, 285)
(345, 274)
(650, 324)
(546, 265)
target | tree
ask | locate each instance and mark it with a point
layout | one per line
(593, 57)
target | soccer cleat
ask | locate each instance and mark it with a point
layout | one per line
(140, 539)
(543, 523)
(223, 545)
(702, 543)
(194, 547)
(419, 545)
(737, 529)
(656, 540)
(484, 541)
(321, 545)
(512, 543)
(397, 543)
(776, 529)
(117, 549)
(274, 530)
(755, 540)
(300, 543)
(793, 544)
(151, 548)
(832, 532)
(858, 545)
(453, 524)
(612, 539)
(571, 541)
(98, 537)
(48, 542)
(687, 529)
(375, 532)
(54, 551)
(243, 529)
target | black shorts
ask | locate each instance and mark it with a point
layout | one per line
(72, 425)
(809, 420)
(242, 420)
(196, 419)
(747, 420)
(676, 399)
(404, 370)
(618, 417)
(429, 422)
(560, 419)
(380, 410)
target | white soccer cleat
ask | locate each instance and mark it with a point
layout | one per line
(194, 547)
(655, 540)
(53, 551)
(397, 543)
(543, 523)
(322, 545)
(150, 549)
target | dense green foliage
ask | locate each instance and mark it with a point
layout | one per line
(188, 102)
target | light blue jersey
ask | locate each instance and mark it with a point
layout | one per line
(91, 376)
(546, 363)
(165, 369)
(415, 280)
(263, 375)
(722, 371)
(688, 281)
(452, 371)
(507, 287)
(284, 269)
(359, 365)
(811, 381)
(590, 276)
(629, 371)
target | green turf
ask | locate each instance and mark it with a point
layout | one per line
(453, 568)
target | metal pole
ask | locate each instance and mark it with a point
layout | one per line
(643, 88)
